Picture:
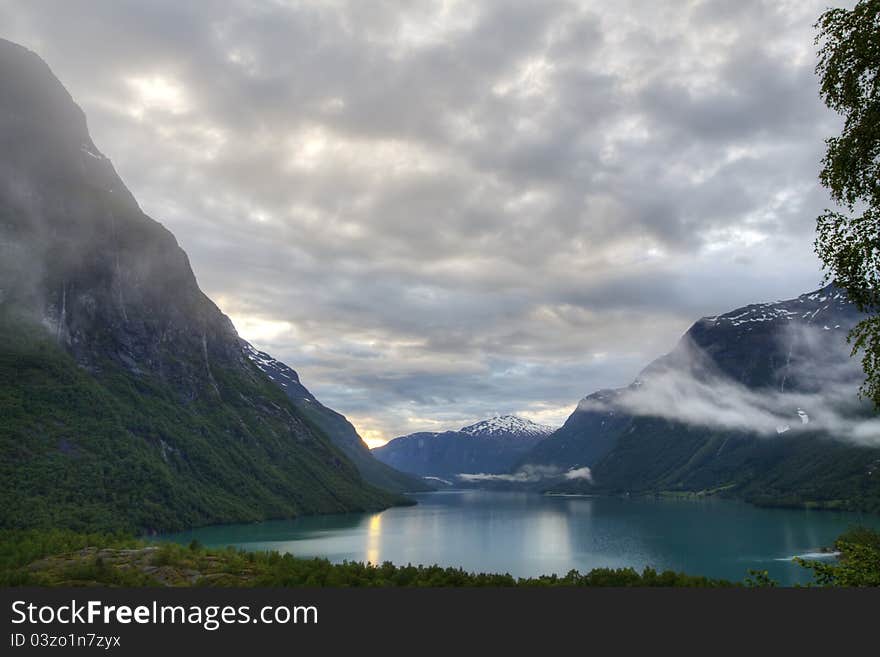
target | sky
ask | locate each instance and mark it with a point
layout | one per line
(438, 212)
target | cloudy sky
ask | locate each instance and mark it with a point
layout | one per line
(440, 211)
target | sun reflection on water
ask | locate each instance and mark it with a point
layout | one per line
(374, 538)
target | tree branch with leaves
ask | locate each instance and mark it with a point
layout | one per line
(848, 238)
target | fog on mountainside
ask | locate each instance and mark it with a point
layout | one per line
(760, 402)
(128, 399)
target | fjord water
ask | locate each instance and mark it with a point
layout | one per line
(528, 534)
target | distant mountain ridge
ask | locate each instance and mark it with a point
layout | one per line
(758, 403)
(508, 426)
(490, 446)
(334, 425)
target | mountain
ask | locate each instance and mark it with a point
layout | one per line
(335, 426)
(489, 447)
(507, 427)
(760, 403)
(127, 399)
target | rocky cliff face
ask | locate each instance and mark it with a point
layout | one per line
(99, 302)
(111, 283)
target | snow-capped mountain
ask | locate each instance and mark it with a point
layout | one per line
(826, 308)
(760, 402)
(490, 446)
(508, 426)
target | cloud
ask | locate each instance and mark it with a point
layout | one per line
(818, 394)
(530, 474)
(579, 473)
(440, 209)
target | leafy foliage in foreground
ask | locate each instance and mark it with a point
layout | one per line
(19, 548)
(859, 562)
(847, 243)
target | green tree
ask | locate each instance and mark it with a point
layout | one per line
(848, 240)
(858, 563)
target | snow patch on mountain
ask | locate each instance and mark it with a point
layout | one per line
(508, 426)
(270, 366)
(807, 307)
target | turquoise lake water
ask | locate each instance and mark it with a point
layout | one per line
(529, 534)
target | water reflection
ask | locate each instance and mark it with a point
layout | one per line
(528, 534)
(548, 537)
(374, 538)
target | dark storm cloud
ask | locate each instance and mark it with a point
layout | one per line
(436, 211)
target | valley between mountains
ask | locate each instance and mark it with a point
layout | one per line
(129, 401)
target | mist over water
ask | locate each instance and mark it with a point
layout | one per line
(529, 534)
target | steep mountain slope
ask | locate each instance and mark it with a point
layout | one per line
(587, 435)
(335, 426)
(490, 447)
(759, 403)
(127, 400)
